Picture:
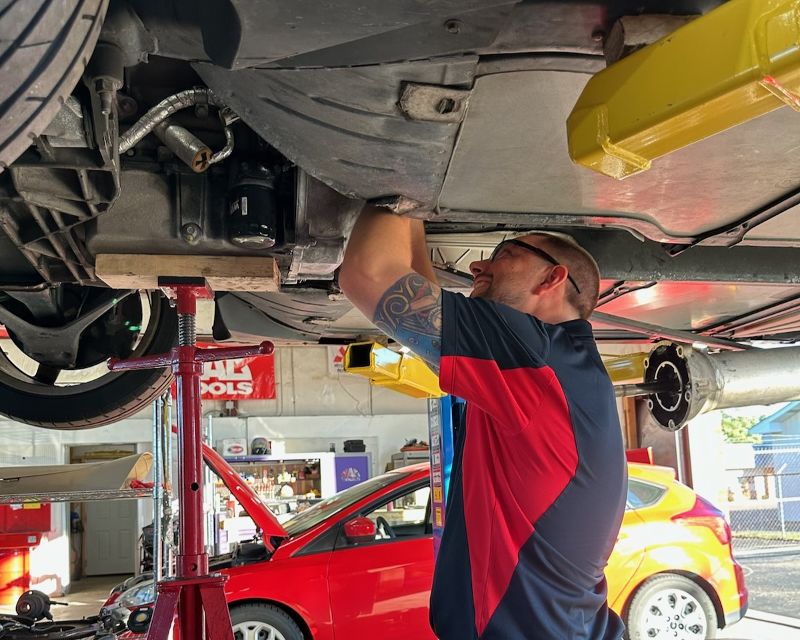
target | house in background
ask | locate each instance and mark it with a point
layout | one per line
(782, 427)
(779, 454)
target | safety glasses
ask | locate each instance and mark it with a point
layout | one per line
(539, 252)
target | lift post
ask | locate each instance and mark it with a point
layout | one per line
(193, 592)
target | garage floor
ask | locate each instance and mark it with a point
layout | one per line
(88, 594)
(85, 598)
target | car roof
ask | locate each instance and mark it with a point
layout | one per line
(652, 472)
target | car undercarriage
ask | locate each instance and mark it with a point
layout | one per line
(209, 133)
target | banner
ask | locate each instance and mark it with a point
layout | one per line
(238, 379)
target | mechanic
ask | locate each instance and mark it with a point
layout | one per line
(538, 482)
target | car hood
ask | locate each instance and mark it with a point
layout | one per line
(249, 499)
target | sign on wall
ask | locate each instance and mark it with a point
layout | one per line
(238, 379)
(336, 359)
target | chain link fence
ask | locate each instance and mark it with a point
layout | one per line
(764, 497)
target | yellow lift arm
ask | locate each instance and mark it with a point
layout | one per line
(408, 374)
(402, 372)
(739, 61)
(627, 369)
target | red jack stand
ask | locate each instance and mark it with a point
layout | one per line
(193, 591)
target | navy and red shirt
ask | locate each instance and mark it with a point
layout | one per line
(538, 484)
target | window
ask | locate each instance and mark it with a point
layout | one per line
(643, 494)
(405, 515)
(329, 507)
(403, 518)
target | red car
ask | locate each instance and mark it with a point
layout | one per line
(359, 564)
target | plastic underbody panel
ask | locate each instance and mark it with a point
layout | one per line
(321, 85)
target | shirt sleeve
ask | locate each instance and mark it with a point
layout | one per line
(495, 357)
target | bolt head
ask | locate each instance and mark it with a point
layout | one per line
(453, 26)
(191, 233)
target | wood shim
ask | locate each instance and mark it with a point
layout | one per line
(223, 273)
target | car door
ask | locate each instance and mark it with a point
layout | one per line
(631, 546)
(381, 588)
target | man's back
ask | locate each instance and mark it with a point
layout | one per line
(538, 485)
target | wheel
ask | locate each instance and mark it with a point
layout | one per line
(671, 607)
(85, 394)
(44, 47)
(263, 622)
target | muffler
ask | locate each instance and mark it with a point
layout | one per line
(681, 382)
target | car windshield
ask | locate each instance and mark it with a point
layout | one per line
(331, 506)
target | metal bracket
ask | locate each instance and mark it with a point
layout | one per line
(434, 103)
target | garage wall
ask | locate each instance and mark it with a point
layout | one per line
(383, 434)
(315, 405)
(309, 382)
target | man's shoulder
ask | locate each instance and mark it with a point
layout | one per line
(492, 312)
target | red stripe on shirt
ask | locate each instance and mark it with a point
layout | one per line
(502, 503)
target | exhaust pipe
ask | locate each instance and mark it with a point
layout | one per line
(688, 382)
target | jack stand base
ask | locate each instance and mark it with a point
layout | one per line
(208, 590)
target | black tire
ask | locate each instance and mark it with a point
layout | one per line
(113, 397)
(44, 48)
(648, 610)
(268, 615)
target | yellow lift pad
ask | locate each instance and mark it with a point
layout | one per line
(401, 372)
(739, 61)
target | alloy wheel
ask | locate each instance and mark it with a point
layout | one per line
(673, 614)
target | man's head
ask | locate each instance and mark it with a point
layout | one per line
(549, 276)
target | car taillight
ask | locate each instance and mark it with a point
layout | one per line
(705, 514)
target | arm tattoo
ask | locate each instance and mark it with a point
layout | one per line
(411, 312)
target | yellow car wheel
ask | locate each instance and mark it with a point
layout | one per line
(673, 607)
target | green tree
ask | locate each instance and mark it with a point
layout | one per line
(737, 428)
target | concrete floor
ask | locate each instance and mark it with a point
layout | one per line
(86, 597)
(762, 626)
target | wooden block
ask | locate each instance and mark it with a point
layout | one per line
(223, 273)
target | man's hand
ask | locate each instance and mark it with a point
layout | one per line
(387, 274)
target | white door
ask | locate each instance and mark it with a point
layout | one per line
(110, 535)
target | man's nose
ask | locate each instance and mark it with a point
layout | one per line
(478, 267)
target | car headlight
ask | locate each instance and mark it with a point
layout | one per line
(143, 593)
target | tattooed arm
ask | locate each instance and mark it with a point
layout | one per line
(410, 311)
(387, 275)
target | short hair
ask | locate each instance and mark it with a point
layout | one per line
(581, 266)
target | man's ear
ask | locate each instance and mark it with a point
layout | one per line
(557, 275)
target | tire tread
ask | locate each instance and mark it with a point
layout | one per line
(35, 83)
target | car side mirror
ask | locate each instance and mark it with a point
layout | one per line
(359, 530)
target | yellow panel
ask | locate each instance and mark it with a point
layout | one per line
(740, 61)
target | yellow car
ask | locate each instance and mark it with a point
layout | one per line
(672, 573)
